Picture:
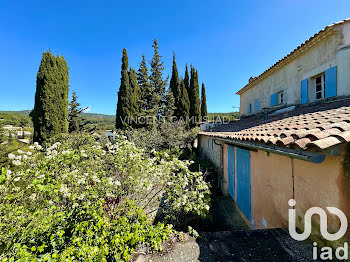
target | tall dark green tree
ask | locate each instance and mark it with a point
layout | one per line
(75, 122)
(50, 113)
(176, 89)
(156, 79)
(170, 105)
(123, 94)
(187, 79)
(134, 97)
(195, 109)
(204, 112)
(184, 105)
(145, 87)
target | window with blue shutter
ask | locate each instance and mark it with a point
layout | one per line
(256, 105)
(249, 108)
(304, 91)
(331, 82)
(273, 99)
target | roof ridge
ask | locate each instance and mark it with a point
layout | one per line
(254, 79)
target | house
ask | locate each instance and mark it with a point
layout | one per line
(291, 141)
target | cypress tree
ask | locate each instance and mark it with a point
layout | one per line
(123, 94)
(156, 79)
(204, 112)
(134, 96)
(184, 105)
(50, 113)
(176, 89)
(194, 97)
(75, 123)
(187, 79)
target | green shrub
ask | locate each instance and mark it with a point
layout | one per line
(80, 200)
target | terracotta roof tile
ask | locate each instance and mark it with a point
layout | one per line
(320, 125)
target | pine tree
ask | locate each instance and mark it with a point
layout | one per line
(176, 89)
(156, 79)
(204, 112)
(123, 94)
(134, 97)
(50, 113)
(75, 122)
(145, 87)
(184, 105)
(194, 97)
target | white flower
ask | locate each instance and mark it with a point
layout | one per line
(33, 196)
(81, 181)
(11, 156)
(17, 179)
(64, 188)
(25, 157)
(29, 153)
(81, 197)
(20, 151)
(16, 162)
(32, 147)
(50, 202)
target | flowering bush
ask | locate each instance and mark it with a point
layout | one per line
(80, 200)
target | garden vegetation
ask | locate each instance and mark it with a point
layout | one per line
(78, 199)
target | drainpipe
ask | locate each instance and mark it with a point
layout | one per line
(292, 166)
(222, 164)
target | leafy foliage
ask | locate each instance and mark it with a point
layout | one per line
(168, 136)
(80, 200)
(50, 114)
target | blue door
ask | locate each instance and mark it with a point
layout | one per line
(243, 181)
(231, 171)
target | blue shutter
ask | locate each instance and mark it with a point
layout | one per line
(331, 82)
(249, 108)
(231, 171)
(256, 105)
(243, 181)
(273, 100)
(304, 91)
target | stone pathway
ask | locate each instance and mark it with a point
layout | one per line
(228, 238)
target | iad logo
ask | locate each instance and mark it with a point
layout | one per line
(326, 252)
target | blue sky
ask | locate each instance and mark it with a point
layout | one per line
(227, 41)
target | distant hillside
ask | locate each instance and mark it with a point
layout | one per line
(231, 115)
(100, 120)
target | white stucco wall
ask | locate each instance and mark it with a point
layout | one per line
(320, 57)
